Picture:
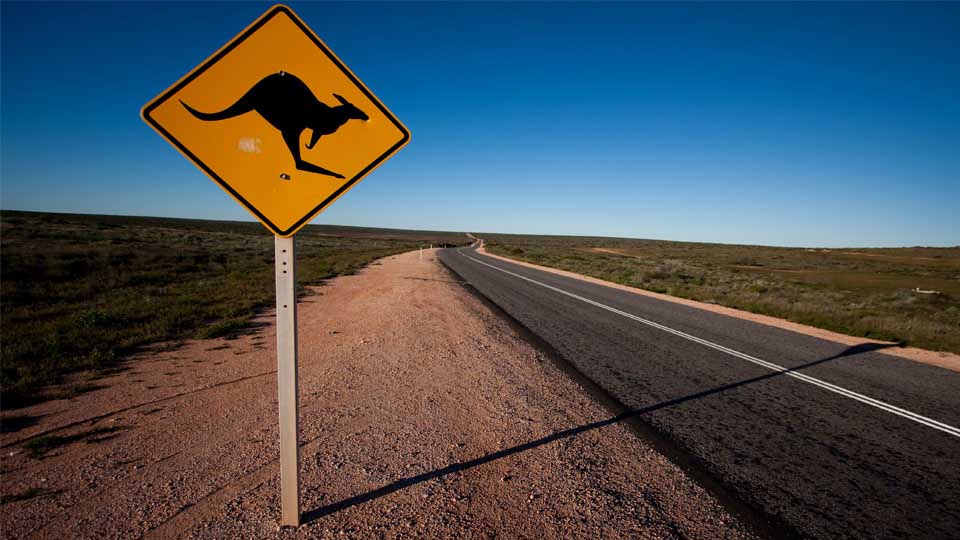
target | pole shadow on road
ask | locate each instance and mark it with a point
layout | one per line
(318, 513)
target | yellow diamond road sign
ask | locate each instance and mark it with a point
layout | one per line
(278, 121)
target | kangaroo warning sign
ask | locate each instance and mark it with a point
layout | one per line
(278, 121)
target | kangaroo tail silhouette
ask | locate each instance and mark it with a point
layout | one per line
(242, 105)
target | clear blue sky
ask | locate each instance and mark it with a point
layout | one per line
(783, 124)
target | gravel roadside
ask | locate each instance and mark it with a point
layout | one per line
(423, 415)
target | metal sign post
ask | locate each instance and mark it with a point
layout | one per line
(241, 116)
(287, 396)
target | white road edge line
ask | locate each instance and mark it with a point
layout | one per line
(929, 422)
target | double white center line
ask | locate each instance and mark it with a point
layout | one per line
(929, 422)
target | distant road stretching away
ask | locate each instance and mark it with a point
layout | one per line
(830, 441)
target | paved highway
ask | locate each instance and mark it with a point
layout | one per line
(821, 439)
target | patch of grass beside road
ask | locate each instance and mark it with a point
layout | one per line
(81, 292)
(859, 292)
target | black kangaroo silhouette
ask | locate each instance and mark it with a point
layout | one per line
(287, 104)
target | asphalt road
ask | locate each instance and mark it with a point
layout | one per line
(846, 443)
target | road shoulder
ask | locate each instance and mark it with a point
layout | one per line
(424, 415)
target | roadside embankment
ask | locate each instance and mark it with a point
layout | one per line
(942, 359)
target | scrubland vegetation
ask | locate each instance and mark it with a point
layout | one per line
(83, 292)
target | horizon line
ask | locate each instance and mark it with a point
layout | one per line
(475, 231)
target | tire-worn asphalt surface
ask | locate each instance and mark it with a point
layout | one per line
(816, 464)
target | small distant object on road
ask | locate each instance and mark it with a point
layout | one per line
(918, 290)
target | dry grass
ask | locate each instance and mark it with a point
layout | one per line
(82, 292)
(860, 292)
